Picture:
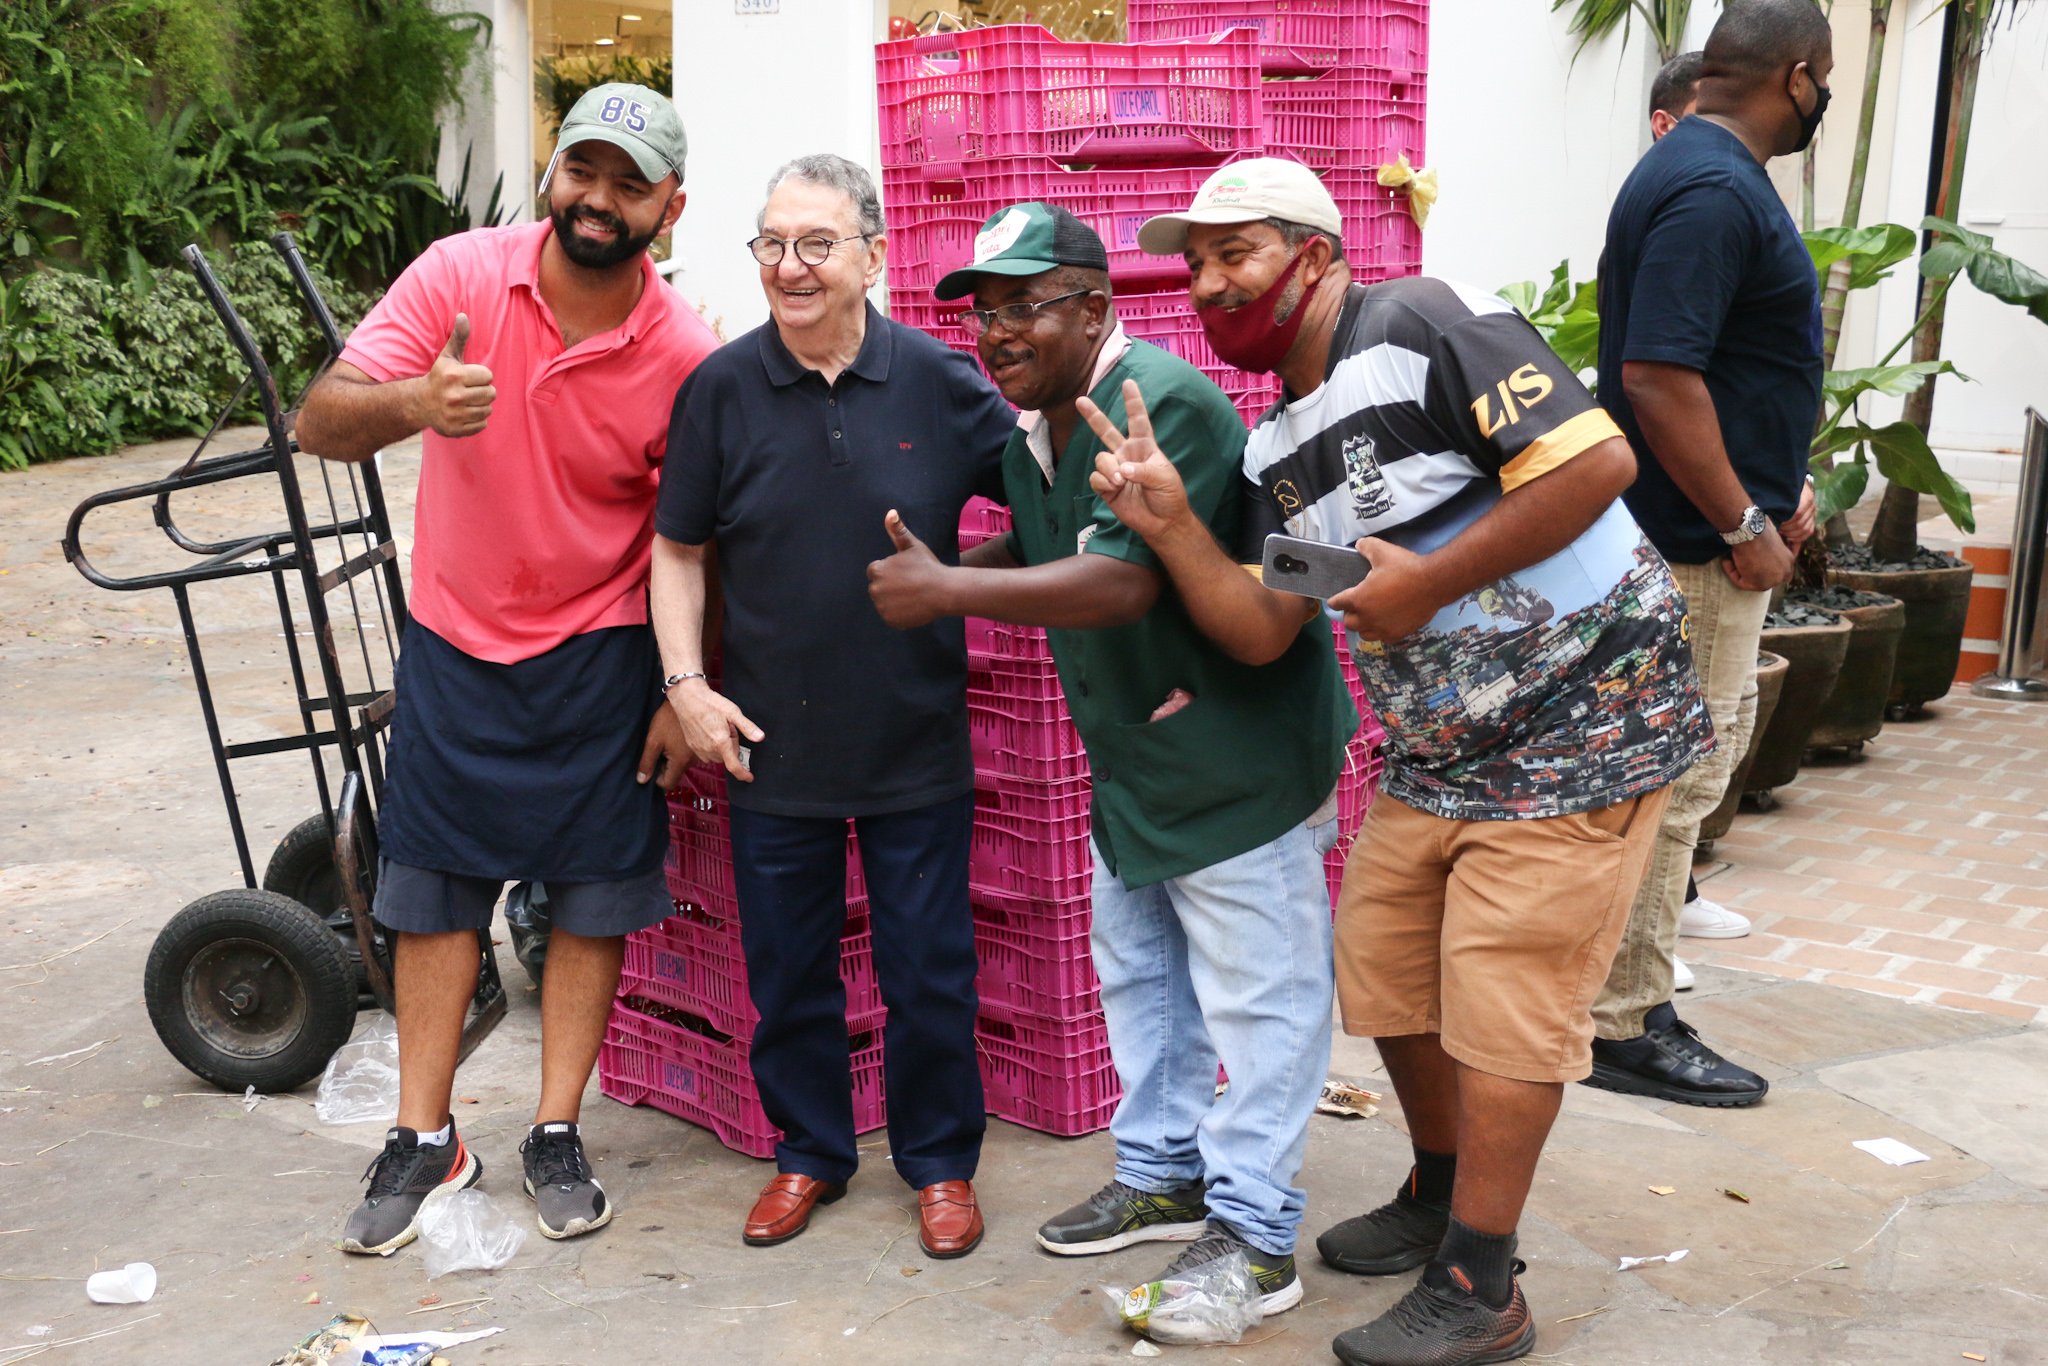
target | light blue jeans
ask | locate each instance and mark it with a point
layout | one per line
(1230, 962)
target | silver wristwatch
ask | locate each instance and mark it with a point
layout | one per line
(1749, 528)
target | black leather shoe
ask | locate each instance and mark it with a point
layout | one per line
(1669, 1062)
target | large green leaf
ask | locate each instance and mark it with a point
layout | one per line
(1871, 251)
(1846, 386)
(1837, 490)
(1903, 457)
(1576, 339)
(1522, 295)
(1991, 270)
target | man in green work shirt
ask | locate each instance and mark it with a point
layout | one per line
(1214, 780)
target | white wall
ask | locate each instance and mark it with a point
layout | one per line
(754, 91)
(1528, 148)
(495, 122)
(2005, 195)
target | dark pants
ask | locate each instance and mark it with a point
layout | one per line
(790, 872)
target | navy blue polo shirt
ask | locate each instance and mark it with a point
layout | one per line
(1704, 268)
(791, 477)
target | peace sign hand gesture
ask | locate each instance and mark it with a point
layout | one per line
(1132, 474)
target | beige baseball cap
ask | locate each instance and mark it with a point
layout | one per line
(1245, 192)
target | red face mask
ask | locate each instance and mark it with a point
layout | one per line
(1247, 336)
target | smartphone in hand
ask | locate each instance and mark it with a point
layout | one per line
(1313, 569)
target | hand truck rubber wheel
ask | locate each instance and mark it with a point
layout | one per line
(250, 988)
(302, 868)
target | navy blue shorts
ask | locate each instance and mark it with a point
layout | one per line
(524, 772)
(421, 901)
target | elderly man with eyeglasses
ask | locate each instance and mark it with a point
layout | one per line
(787, 449)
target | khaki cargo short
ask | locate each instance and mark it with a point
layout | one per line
(1494, 934)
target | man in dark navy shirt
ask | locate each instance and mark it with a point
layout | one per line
(1710, 362)
(787, 450)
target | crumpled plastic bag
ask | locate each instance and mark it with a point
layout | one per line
(361, 1080)
(468, 1232)
(531, 924)
(1217, 1301)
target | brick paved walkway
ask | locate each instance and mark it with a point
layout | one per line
(1919, 871)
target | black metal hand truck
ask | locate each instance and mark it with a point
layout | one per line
(258, 985)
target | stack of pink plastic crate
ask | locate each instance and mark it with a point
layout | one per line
(1117, 132)
(680, 1029)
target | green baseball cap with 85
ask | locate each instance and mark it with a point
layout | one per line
(1247, 192)
(1026, 239)
(640, 121)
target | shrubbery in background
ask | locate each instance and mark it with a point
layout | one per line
(86, 365)
(129, 128)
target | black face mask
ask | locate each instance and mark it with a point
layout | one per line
(1809, 124)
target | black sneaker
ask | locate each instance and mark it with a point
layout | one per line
(1400, 1234)
(1441, 1322)
(1119, 1215)
(559, 1180)
(403, 1179)
(1669, 1062)
(1279, 1287)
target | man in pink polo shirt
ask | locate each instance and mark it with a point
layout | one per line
(540, 360)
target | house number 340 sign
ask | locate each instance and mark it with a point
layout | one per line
(757, 6)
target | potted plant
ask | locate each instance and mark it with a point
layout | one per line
(1770, 685)
(1935, 586)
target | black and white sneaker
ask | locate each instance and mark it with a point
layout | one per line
(559, 1180)
(1669, 1061)
(404, 1179)
(1119, 1215)
(1279, 1286)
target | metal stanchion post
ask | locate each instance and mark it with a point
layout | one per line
(2012, 679)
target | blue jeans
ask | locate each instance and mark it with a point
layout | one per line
(1230, 962)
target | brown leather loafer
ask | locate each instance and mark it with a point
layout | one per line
(784, 1207)
(948, 1219)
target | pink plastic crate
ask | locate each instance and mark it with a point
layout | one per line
(932, 221)
(1294, 35)
(693, 963)
(699, 860)
(1035, 958)
(1030, 842)
(1348, 118)
(1054, 1076)
(1017, 719)
(981, 521)
(1015, 90)
(654, 1056)
(1299, 35)
(1402, 40)
(1381, 239)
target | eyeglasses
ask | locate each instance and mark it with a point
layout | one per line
(1013, 317)
(811, 249)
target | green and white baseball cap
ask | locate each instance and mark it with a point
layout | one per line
(1026, 239)
(1246, 192)
(640, 121)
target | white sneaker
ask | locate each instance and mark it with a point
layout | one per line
(1704, 919)
(1681, 975)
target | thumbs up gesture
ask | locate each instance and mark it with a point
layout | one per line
(456, 396)
(908, 588)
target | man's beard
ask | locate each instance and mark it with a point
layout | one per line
(596, 255)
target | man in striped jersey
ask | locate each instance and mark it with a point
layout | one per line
(1525, 649)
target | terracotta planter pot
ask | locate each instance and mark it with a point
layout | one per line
(1854, 711)
(1813, 659)
(1770, 683)
(1937, 602)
